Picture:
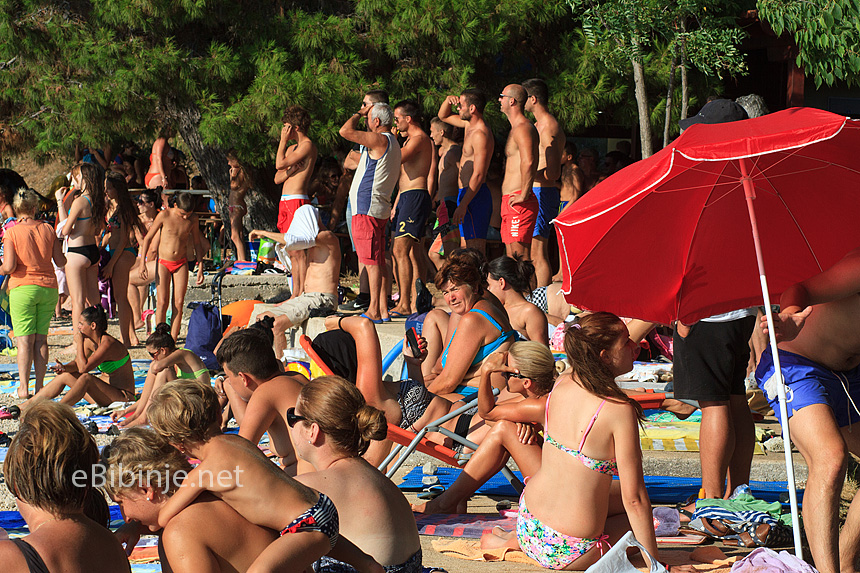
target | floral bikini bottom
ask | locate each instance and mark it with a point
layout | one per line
(550, 548)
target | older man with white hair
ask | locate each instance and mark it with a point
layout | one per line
(375, 177)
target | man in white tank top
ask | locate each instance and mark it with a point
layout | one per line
(370, 196)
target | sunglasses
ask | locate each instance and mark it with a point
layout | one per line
(509, 375)
(292, 417)
(152, 354)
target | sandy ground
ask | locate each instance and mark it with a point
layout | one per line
(478, 504)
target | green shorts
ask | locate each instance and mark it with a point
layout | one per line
(31, 308)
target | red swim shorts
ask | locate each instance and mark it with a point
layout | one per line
(518, 222)
(287, 208)
(368, 234)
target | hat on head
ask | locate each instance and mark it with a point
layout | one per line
(717, 111)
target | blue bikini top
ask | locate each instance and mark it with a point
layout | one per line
(488, 348)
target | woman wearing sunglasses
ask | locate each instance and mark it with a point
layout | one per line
(332, 426)
(528, 369)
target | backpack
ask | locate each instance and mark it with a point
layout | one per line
(205, 329)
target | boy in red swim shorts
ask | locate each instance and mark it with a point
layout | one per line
(178, 226)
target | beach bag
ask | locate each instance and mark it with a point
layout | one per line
(204, 332)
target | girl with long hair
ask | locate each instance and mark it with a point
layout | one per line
(83, 221)
(121, 222)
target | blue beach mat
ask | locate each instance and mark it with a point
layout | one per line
(661, 489)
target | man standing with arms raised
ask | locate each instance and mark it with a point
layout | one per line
(413, 202)
(474, 201)
(519, 204)
(546, 185)
(372, 185)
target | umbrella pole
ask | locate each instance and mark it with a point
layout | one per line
(749, 192)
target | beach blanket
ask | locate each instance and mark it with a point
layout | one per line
(661, 489)
(663, 431)
(9, 377)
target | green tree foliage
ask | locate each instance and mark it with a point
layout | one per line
(223, 71)
(827, 34)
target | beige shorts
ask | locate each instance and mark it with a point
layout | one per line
(297, 309)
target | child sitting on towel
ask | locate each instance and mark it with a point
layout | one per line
(186, 413)
(168, 363)
(99, 350)
(178, 226)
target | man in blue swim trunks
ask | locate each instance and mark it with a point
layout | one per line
(819, 353)
(546, 183)
(474, 201)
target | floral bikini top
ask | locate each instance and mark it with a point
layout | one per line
(609, 467)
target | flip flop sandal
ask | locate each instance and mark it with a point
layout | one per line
(9, 412)
(708, 527)
(431, 492)
(395, 314)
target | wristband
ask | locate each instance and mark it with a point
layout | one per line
(339, 327)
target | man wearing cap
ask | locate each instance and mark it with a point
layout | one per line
(710, 362)
(819, 352)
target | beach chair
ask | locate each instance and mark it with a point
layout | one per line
(407, 442)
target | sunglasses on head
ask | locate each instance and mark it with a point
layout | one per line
(292, 417)
(509, 375)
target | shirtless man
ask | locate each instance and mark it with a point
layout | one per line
(546, 186)
(572, 187)
(412, 206)
(819, 354)
(474, 202)
(259, 392)
(323, 251)
(295, 165)
(159, 162)
(178, 226)
(448, 236)
(519, 205)
(372, 185)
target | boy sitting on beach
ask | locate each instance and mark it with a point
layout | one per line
(186, 413)
(323, 274)
(178, 226)
(259, 392)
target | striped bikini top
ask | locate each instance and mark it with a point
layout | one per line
(609, 467)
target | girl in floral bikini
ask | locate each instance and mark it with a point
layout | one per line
(571, 527)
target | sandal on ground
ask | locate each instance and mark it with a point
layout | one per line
(431, 492)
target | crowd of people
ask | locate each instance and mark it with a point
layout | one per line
(431, 204)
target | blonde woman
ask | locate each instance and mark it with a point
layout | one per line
(49, 470)
(332, 426)
(528, 369)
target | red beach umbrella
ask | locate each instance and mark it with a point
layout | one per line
(686, 233)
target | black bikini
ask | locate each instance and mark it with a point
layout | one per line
(31, 556)
(89, 251)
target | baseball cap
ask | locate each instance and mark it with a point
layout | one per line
(717, 111)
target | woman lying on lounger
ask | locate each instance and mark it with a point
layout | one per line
(49, 470)
(99, 350)
(477, 327)
(208, 536)
(332, 426)
(168, 363)
(591, 433)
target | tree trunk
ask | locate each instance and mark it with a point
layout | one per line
(685, 96)
(211, 160)
(641, 101)
(669, 94)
